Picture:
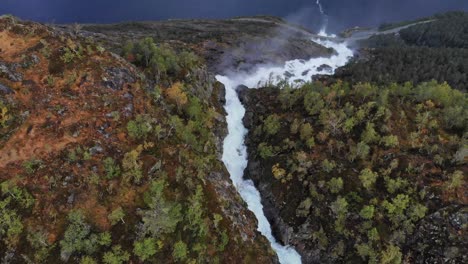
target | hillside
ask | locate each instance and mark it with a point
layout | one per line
(101, 163)
(360, 173)
(226, 45)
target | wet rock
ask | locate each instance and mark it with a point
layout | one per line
(117, 77)
(324, 67)
(220, 93)
(288, 74)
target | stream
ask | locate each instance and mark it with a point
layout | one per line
(234, 150)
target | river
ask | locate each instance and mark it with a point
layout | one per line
(234, 150)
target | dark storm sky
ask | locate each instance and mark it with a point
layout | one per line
(343, 13)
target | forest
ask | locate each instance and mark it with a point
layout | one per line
(354, 169)
(436, 50)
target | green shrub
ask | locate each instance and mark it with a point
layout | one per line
(335, 185)
(180, 251)
(78, 237)
(139, 128)
(368, 178)
(116, 216)
(272, 124)
(145, 248)
(367, 212)
(111, 168)
(116, 256)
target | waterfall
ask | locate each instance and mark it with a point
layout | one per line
(234, 149)
(323, 29)
(320, 7)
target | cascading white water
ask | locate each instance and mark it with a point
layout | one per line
(234, 149)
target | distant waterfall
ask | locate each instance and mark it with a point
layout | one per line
(323, 29)
(320, 7)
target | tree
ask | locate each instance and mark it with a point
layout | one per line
(455, 117)
(370, 135)
(265, 151)
(365, 90)
(10, 223)
(335, 185)
(139, 128)
(391, 255)
(116, 256)
(272, 124)
(87, 260)
(132, 165)
(195, 108)
(179, 252)
(313, 102)
(177, 95)
(389, 141)
(304, 208)
(349, 124)
(328, 166)
(368, 178)
(332, 120)
(278, 172)
(361, 150)
(367, 212)
(339, 206)
(79, 238)
(111, 168)
(295, 125)
(162, 216)
(455, 181)
(306, 131)
(145, 248)
(116, 216)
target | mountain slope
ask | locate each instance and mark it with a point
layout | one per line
(100, 163)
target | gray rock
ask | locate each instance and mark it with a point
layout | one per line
(324, 67)
(96, 149)
(9, 71)
(71, 198)
(117, 77)
(30, 61)
(5, 89)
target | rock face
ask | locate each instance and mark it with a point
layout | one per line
(445, 234)
(8, 70)
(232, 44)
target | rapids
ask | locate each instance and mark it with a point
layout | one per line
(234, 150)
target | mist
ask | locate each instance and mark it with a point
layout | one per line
(341, 13)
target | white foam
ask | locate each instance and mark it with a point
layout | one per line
(235, 152)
